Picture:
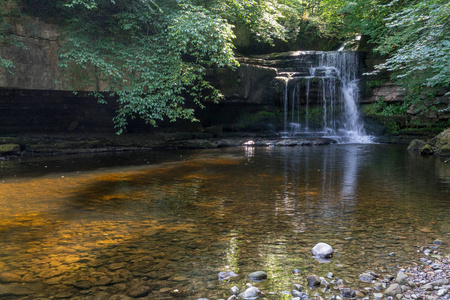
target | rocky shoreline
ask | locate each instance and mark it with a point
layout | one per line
(427, 279)
(42, 145)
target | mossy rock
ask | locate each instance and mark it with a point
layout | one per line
(443, 138)
(426, 150)
(444, 150)
(9, 149)
(416, 145)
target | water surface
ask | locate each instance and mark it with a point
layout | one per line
(91, 227)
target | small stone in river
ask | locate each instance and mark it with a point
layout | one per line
(235, 290)
(324, 283)
(401, 278)
(226, 275)
(298, 287)
(393, 290)
(251, 292)
(330, 275)
(10, 277)
(233, 297)
(348, 293)
(300, 295)
(139, 291)
(367, 277)
(437, 242)
(313, 280)
(322, 250)
(377, 295)
(441, 292)
(83, 284)
(257, 276)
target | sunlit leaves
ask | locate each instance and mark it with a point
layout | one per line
(150, 56)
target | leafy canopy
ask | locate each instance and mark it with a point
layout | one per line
(152, 54)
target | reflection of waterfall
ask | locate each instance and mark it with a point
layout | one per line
(323, 101)
(327, 178)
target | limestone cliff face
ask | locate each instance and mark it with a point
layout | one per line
(36, 63)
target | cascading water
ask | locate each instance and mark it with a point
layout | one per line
(323, 101)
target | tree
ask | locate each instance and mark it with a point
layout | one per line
(152, 54)
(417, 40)
(413, 34)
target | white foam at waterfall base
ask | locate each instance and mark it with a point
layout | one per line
(341, 119)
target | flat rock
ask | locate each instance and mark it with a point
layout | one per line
(393, 290)
(257, 276)
(14, 290)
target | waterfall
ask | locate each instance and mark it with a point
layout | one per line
(324, 100)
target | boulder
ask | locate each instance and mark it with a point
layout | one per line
(415, 145)
(443, 143)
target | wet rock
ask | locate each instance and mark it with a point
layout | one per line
(9, 149)
(233, 297)
(14, 290)
(116, 266)
(249, 293)
(348, 293)
(227, 275)
(393, 290)
(367, 277)
(415, 145)
(426, 150)
(437, 242)
(235, 290)
(324, 283)
(139, 291)
(401, 278)
(313, 280)
(441, 292)
(298, 287)
(300, 295)
(9, 277)
(257, 276)
(322, 250)
(84, 284)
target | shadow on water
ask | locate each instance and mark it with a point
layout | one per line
(168, 229)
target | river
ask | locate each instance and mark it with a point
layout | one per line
(97, 226)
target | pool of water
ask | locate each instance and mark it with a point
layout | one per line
(92, 227)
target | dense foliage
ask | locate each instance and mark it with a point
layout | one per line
(151, 55)
(413, 34)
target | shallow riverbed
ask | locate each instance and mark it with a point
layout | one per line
(95, 226)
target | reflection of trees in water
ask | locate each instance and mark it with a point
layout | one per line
(321, 183)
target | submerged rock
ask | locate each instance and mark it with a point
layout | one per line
(313, 280)
(227, 275)
(257, 276)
